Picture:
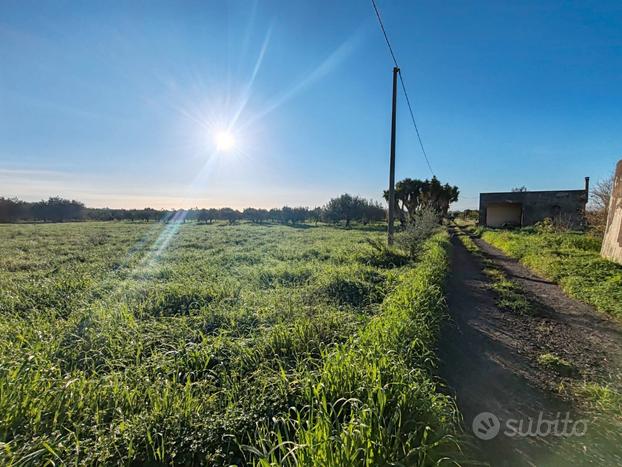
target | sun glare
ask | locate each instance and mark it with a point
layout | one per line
(224, 140)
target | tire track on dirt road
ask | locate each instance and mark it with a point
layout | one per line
(489, 361)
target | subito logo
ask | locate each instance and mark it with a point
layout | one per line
(486, 426)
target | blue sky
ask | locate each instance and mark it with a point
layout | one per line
(116, 103)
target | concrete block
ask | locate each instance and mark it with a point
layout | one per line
(612, 242)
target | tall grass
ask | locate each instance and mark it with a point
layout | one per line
(373, 400)
(233, 345)
(571, 259)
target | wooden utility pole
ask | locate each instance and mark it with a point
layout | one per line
(396, 70)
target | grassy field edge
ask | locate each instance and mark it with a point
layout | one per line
(374, 400)
(569, 259)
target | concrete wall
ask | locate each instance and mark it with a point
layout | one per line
(612, 243)
(567, 206)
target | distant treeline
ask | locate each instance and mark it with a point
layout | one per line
(345, 208)
(466, 214)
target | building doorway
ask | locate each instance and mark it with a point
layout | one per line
(504, 215)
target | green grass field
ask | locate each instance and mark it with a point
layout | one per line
(571, 259)
(130, 343)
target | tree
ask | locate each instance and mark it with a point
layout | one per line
(412, 195)
(203, 216)
(287, 214)
(12, 210)
(348, 208)
(519, 189)
(468, 214)
(598, 209)
(275, 215)
(212, 215)
(315, 214)
(58, 209)
(229, 215)
(299, 214)
(263, 215)
(342, 208)
(345, 208)
(373, 212)
(251, 214)
(601, 193)
(256, 216)
(148, 214)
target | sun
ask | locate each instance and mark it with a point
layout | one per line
(224, 140)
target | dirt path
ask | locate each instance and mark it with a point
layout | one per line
(489, 359)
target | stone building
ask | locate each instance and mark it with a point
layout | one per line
(612, 242)
(522, 208)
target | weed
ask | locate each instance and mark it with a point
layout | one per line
(557, 364)
(601, 398)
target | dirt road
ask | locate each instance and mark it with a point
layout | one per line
(489, 359)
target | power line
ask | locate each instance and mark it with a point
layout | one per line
(412, 116)
(386, 37)
(410, 109)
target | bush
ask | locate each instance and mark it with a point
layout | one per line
(424, 224)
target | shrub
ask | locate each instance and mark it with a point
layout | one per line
(425, 222)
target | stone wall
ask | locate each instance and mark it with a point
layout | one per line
(612, 243)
